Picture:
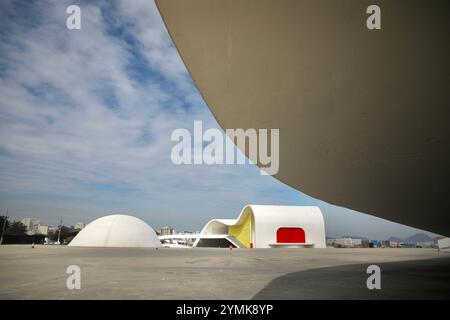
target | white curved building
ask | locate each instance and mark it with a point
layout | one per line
(116, 230)
(260, 226)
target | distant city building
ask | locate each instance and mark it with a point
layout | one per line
(79, 225)
(166, 231)
(30, 223)
(392, 244)
(348, 242)
(53, 229)
(42, 229)
(375, 243)
(33, 226)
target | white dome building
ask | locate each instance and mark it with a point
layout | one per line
(116, 230)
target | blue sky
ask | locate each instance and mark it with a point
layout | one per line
(85, 123)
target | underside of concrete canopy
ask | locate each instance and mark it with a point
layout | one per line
(363, 114)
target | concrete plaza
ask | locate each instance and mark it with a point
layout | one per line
(209, 273)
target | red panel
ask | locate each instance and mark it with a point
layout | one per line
(290, 235)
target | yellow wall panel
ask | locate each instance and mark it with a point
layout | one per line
(243, 231)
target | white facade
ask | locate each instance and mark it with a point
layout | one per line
(116, 231)
(167, 230)
(347, 242)
(79, 225)
(42, 229)
(394, 244)
(266, 222)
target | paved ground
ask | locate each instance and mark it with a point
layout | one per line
(120, 273)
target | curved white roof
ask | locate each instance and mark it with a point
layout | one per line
(270, 214)
(116, 230)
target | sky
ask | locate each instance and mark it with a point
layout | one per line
(86, 118)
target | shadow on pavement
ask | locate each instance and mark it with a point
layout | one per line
(417, 279)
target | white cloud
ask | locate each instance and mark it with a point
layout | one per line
(76, 124)
(86, 117)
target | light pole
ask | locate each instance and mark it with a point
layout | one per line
(59, 233)
(4, 225)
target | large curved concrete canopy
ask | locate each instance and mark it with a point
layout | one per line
(363, 114)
